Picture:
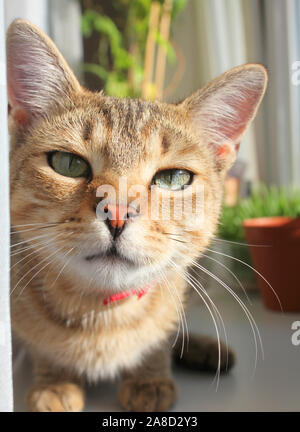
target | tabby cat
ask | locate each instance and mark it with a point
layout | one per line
(97, 296)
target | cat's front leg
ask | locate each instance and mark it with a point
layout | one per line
(149, 387)
(203, 353)
(54, 390)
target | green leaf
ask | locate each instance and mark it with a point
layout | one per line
(178, 6)
(96, 69)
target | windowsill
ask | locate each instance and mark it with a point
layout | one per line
(275, 386)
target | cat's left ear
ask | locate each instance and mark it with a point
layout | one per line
(221, 112)
(38, 77)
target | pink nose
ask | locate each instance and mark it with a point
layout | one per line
(117, 216)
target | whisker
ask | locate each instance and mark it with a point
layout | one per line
(33, 229)
(239, 243)
(232, 273)
(29, 240)
(34, 224)
(218, 314)
(221, 321)
(179, 241)
(173, 234)
(55, 252)
(35, 251)
(181, 314)
(248, 314)
(64, 266)
(23, 289)
(252, 268)
(180, 325)
(24, 249)
(214, 322)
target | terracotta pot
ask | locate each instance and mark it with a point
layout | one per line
(278, 261)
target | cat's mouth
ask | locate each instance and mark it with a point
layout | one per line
(112, 255)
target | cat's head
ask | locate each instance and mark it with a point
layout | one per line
(67, 142)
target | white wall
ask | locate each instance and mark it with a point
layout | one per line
(60, 19)
(6, 397)
(35, 11)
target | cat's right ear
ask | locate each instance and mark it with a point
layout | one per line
(221, 112)
(38, 78)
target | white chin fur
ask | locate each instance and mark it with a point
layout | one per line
(113, 276)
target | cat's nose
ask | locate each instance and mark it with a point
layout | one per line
(117, 217)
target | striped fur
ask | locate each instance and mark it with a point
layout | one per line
(57, 294)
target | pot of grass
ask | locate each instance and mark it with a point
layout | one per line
(273, 234)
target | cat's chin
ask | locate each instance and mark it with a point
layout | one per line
(112, 273)
(111, 257)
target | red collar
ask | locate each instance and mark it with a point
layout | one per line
(120, 296)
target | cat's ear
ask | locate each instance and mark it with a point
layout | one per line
(38, 77)
(222, 111)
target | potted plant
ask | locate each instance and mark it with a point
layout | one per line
(261, 231)
(273, 234)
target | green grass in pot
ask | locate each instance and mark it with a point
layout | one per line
(263, 202)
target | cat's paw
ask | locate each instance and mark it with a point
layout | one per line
(156, 394)
(56, 397)
(202, 354)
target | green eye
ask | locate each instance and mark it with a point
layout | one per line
(173, 179)
(69, 165)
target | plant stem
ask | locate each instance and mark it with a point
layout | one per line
(161, 56)
(150, 50)
(133, 51)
